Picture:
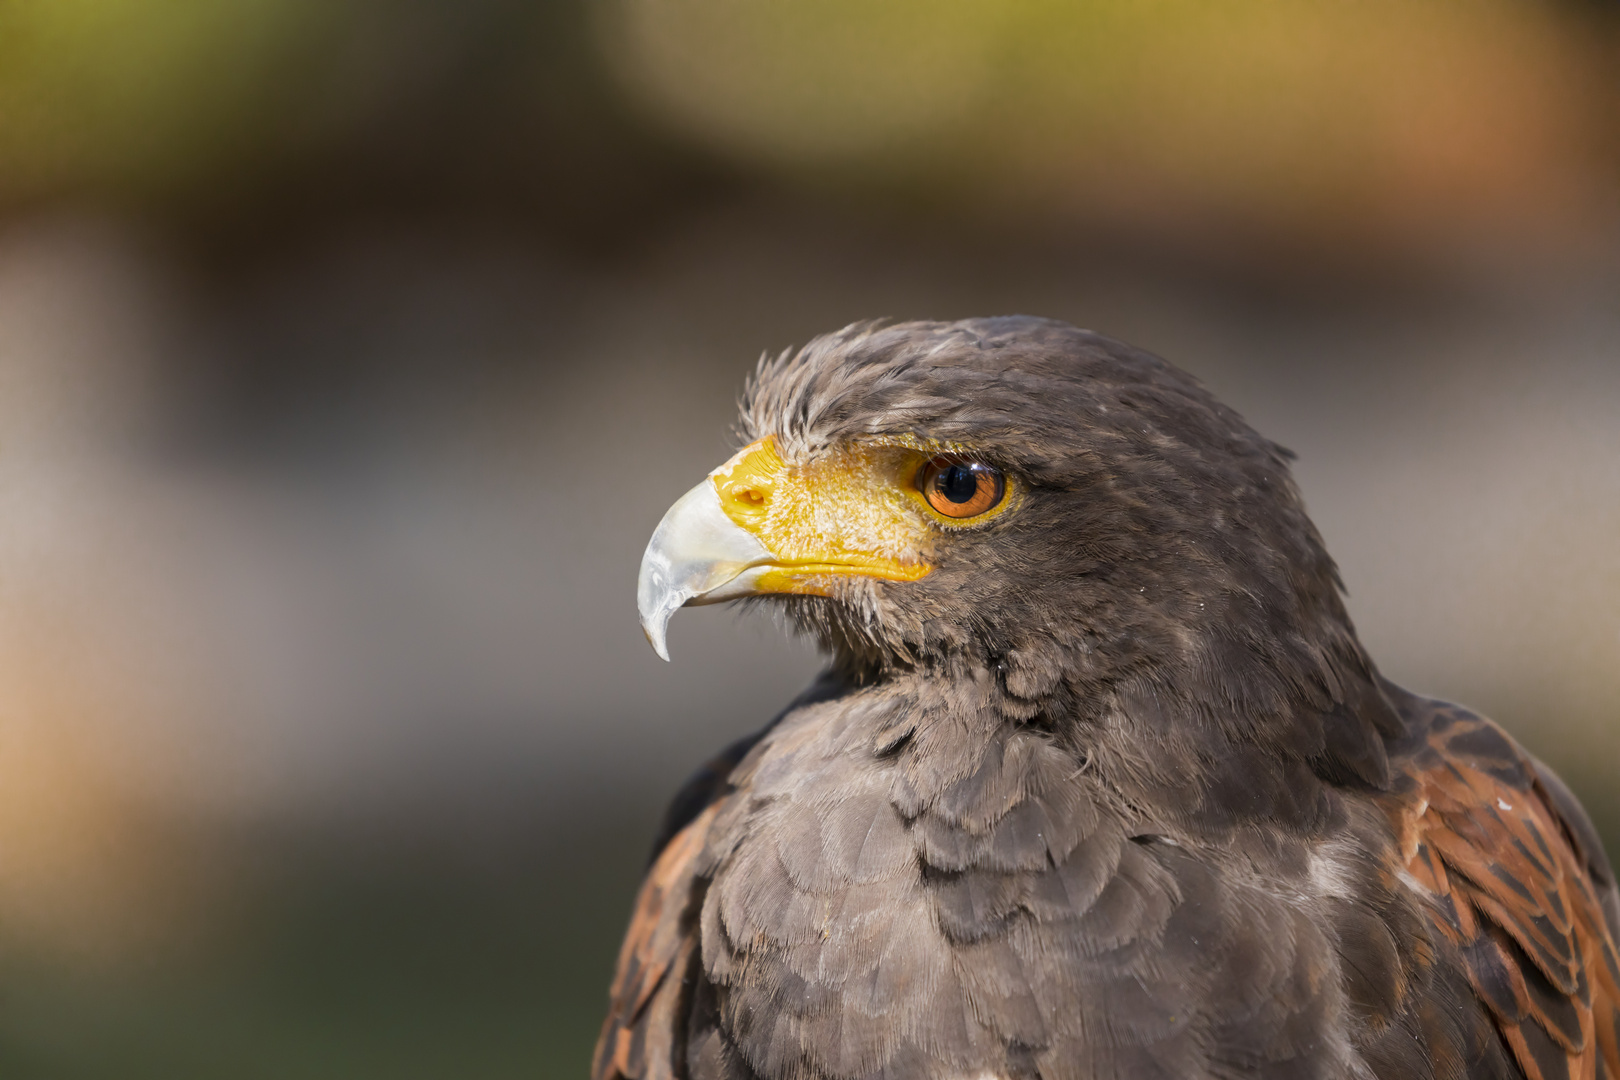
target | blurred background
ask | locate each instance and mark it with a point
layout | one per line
(350, 350)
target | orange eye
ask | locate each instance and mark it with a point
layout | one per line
(961, 489)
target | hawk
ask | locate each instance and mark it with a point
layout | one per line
(1099, 783)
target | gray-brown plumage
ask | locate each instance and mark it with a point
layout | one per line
(1112, 792)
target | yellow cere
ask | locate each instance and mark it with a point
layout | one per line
(855, 512)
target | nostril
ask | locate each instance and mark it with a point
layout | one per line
(749, 497)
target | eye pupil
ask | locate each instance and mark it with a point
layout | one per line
(958, 484)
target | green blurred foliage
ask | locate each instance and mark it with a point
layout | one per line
(348, 960)
(1377, 122)
(269, 112)
(138, 93)
(1441, 116)
(1374, 122)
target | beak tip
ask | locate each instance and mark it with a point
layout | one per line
(658, 647)
(654, 631)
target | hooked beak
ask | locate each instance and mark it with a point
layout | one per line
(759, 525)
(697, 555)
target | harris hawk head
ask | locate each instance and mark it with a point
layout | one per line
(1100, 782)
(940, 493)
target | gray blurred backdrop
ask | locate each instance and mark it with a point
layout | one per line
(350, 351)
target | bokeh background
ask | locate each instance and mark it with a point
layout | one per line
(351, 349)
